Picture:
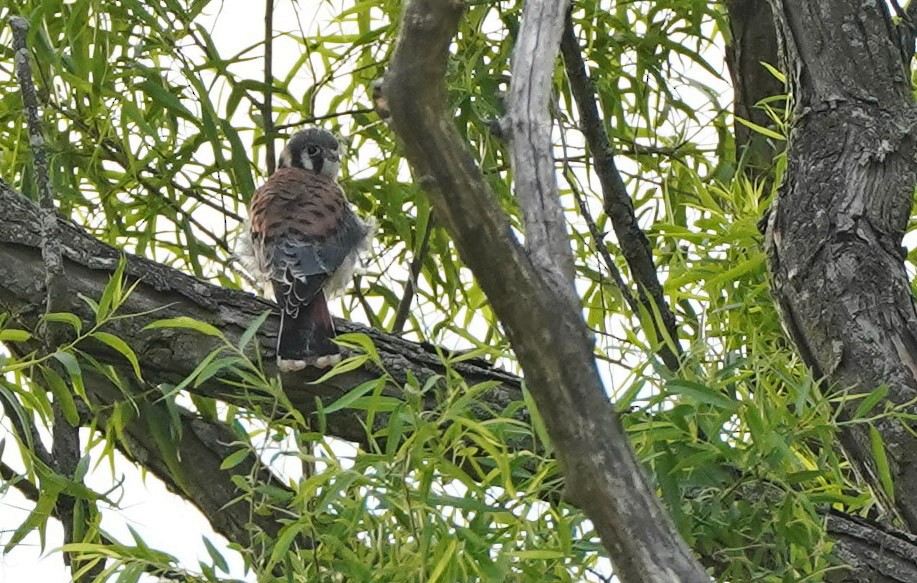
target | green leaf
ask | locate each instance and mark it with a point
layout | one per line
(36, 519)
(870, 401)
(760, 129)
(346, 365)
(65, 318)
(122, 347)
(13, 335)
(351, 396)
(285, 539)
(701, 393)
(877, 445)
(253, 329)
(62, 395)
(216, 556)
(446, 556)
(73, 370)
(112, 294)
(235, 458)
(187, 323)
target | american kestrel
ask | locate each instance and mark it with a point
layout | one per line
(304, 239)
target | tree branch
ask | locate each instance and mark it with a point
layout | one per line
(200, 448)
(546, 330)
(529, 125)
(65, 438)
(753, 42)
(618, 206)
(410, 287)
(170, 355)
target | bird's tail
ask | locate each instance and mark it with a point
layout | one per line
(306, 339)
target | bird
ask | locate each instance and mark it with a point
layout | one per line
(303, 240)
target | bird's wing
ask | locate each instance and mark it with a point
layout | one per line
(304, 229)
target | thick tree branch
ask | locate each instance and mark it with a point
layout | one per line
(200, 447)
(618, 206)
(547, 332)
(873, 552)
(834, 234)
(170, 355)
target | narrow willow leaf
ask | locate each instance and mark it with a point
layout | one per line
(187, 323)
(63, 396)
(122, 347)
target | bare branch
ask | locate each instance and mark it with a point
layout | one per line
(528, 123)
(546, 330)
(410, 288)
(618, 206)
(21, 483)
(267, 108)
(65, 438)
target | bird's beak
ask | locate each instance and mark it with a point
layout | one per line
(332, 156)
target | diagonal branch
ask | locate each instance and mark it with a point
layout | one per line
(200, 447)
(546, 330)
(170, 355)
(618, 206)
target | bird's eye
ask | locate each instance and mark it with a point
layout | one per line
(312, 150)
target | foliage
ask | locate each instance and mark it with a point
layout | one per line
(157, 137)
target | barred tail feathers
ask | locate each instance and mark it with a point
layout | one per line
(306, 338)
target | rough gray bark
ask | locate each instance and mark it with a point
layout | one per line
(547, 332)
(873, 553)
(834, 234)
(878, 554)
(170, 355)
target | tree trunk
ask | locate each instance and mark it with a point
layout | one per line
(834, 234)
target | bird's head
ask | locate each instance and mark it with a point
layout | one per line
(313, 149)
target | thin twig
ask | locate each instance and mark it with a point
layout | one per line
(267, 112)
(404, 306)
(315, 118)
(618, 205)
(65, 438)
(598, 238)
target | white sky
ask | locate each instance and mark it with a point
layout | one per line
(166, 522)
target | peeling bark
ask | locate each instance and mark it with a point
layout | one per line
(834, 234)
